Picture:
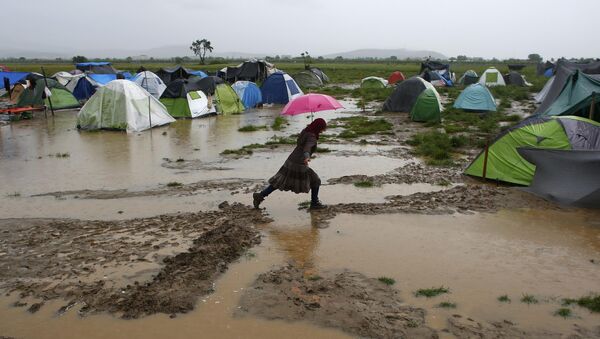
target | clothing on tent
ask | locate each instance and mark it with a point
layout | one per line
(476, 97)
(279, 88)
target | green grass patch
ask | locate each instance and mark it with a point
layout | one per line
(431, 292)
(591, 302)
(563, 312)
(436, 147)
(446, 304)
(251, 128)
(174, 184)
(364, 184)
(386, 280)
(304, 204)
(371, 94)
(322, 150)
(528, 299)
(279, 123)
(504, 299)
(62, 155)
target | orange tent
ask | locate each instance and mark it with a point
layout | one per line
(395, 77)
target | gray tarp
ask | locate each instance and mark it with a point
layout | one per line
(570, 177)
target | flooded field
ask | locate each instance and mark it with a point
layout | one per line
(97, 241)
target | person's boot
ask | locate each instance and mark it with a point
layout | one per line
(258, 198)
(317, 205)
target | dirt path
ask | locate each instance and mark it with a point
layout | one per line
(70, 259)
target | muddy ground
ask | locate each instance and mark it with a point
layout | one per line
(49, 259)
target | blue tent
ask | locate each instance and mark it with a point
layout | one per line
(549, 72)
(84, 89)
(476, 97)
(13, 77)
(279, 88)
(248, 92)
(103, 79)
(197, 73)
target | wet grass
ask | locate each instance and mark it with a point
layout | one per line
(436, 147)
(336, 92)
(529, 299)
(364, 184)
(13, 195)
(504, 299)
(174, 184)
(446, 304)
(61, 155)
(279, 123)
(314, 278)
(304, 204)
(431, 292)
(563, 312)
(275, 140)
(359, 126)
(322, 150)
(591, 302)
(386, 280)
(371, 94)
(443, 182)
(251, 128)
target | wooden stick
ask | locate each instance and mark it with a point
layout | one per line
(592, 106)
(485, 158)
(49, 97)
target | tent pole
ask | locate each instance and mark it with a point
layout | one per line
(485, 158)
(592, 106)
(149, 102)
(49, 97)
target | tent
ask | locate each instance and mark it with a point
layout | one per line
(227, 101)
(150, 82)
(308, 79)
(476, 97)
(580, 96)
(182, 100)
(248, 92)
(36, 94)
(253, 70)
(122, 105)
(3, 68)
(563, 71)
(319, 72)
(405, 95)
(470, 77)
(492, 77)
(428, 106)
(395, 77)
(436, 79)
(568, 177)
(542, 94)
(373, 82)
(543, 68)
(13, 77)
(279, 88)
(167, 75)
(96, 67)
(516, 79)
(503, 160)
(443, 70)
(84, 88)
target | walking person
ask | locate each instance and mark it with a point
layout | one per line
(295, 175)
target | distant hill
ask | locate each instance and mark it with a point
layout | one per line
(401, 53)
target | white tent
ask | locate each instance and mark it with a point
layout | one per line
(383, 81)
(122, 105)
(150, 82)
(68, 80)
(492, 77)
(199, 104)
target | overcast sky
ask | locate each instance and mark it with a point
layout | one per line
(487, 28)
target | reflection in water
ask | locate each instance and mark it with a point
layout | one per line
(299, 243)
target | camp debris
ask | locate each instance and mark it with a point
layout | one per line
(37, 92)
(150, 82)
(395, 77)
(248, 92)
(569, 177)
(427, 107)
(516, 79)
(122, 105)
(492, 77)
(561, 133)
(182, 100)
(279, 88)
(373, 82)
(227, 101)
(405, 95)
(470, 77)
(476, 97)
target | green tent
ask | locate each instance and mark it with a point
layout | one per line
(373, 82)
(561, 133)
(427, 107)
(308, 79)
(577, 96)
(60, 96)
(227, 101)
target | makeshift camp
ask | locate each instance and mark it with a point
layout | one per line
(428, 106)
(470, 77)
(580, 96)
(563, 72)
(492, 77)
(248, 92)
(373, 82)
(96, 67)
(227, 101)
(122, 105)
(308, 79)
(476, 97)
(405, 95)
(279, 88)
(36, 94)
(395, 77)
(568, 177)
(168, 75)
(501, 160)
(150, 82)
(516, 79)
(182, 100)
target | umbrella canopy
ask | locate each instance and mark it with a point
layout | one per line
(310, 103)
